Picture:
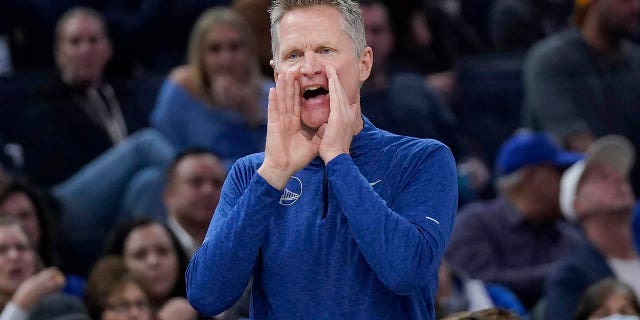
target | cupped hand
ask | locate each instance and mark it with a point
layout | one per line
(240, 95)
(288, 148)
(345, 120)
(36, 287)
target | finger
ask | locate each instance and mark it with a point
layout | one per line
(333, 95)
(290, 91)
(337, 96)
(345, 104)
(281, 94)
(340, 89)
(272, 104)
(296, 99)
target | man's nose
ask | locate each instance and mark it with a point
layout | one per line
(13, 253)
(153, 258)
(310, 65)
(207, 187)
(86, 47)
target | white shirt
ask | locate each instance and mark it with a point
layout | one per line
(187, 242)
(627, 271)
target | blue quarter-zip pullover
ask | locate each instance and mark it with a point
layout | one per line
(359, 238)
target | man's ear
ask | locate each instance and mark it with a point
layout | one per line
(275, 70)
(366, 62)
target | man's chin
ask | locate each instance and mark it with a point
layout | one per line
(317, 130)
(308, 131)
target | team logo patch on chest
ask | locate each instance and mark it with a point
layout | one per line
(292, 191)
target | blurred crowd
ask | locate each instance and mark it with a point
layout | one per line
(120, 119)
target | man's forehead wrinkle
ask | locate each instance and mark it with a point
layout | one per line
(292, 40)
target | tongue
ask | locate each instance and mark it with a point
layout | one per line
(316, 100)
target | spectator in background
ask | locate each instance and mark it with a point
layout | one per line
(79, 114)
(583, 83)
(486, 314)
(170, 39)
(125, 181)
(516, 25)
(431, 40)
(113, 293)
(22, 202)
(253, 11)
(218, 99)
(194, 180)
(399, 101)
(488, 237)
(153, 254)
(459, 293)
(133, 28)
(380, 37)
(25, 289)
(608, 299)
(595, 192)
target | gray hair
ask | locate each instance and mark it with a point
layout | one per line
(352, 23)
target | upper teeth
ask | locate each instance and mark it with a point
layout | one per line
(312, 88)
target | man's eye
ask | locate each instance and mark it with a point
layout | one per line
(326, 50)
(293, 55)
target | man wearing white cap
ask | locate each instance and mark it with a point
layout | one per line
(595, 193)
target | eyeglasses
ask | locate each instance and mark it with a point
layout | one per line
(125, 306)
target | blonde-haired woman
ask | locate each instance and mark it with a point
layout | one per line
(218, 100)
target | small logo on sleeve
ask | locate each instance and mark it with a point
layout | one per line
(292, 191)
(432, 219)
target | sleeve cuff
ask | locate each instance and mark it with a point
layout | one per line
(340, 159)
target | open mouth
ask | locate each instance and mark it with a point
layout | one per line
(312, 92)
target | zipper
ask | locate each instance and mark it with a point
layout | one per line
(325, 194)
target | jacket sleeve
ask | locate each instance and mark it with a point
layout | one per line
(404, 244)
(221, 268)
